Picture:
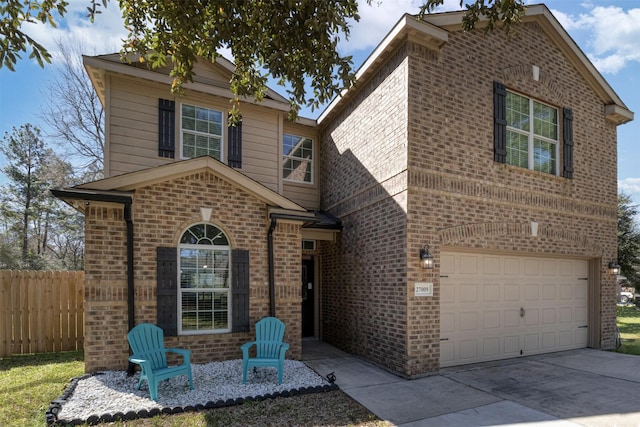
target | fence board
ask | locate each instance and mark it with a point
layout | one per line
(41, 311)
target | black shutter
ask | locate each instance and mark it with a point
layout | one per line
(499, 123)
(240, 289)
(234, 155)
(567, 143)
(167, 291)
(166, 128)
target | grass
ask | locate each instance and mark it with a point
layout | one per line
(29, 383)
(629, 327)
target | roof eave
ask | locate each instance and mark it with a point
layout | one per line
(408, 27)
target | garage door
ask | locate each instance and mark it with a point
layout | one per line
(497, 307)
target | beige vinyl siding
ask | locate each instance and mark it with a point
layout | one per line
(133, 132)
(133, 125)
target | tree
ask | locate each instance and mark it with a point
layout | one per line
(628, 240)
(293, 41)
(74, 114)
(30, 214)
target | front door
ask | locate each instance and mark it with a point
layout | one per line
(308, 301)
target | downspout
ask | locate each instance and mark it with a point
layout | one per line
(272, 279)
(130, 288)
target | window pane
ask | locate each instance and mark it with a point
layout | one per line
(297, 164)
(517, 149)
(544, 156)
(545, 121)
(517, 111)
(201, 132)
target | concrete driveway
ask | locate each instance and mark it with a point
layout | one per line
(574, 388)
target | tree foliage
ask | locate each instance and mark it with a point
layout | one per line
(294, 41)
(498, 13)
(628, 240)
(31, 217)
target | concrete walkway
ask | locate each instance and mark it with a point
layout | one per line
(574, 388)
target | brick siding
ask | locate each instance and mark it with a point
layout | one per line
(447, 191)
(161, 212)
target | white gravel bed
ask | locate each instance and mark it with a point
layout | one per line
(112, 391)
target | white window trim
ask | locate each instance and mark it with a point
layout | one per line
(531, 136)
(285, 157)
(213, 290)
(223, 135)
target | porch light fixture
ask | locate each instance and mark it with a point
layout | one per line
(426, 259)
(614, 268)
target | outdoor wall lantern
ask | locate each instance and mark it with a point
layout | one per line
(426, 259)
(614, 268)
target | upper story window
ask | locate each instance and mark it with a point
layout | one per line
(204, 297)
(201, 132)
(297, 162)
(532, 139)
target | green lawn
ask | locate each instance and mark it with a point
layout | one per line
(629, 327)
(29, 383)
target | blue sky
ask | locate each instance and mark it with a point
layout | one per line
(607, 31)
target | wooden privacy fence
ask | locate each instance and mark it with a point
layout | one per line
(41, 311)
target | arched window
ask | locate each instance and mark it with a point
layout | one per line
(204, 297)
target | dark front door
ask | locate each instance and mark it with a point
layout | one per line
(308, 304)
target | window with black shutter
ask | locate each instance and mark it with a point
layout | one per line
(499, 123)
(167, 291)
(234, 146)
(240, 289)
(166, 128)
(567, 143)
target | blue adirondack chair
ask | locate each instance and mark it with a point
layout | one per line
(270, 349)
(147, 342)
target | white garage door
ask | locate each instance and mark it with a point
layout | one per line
(497, 307)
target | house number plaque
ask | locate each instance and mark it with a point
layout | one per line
(423, 289)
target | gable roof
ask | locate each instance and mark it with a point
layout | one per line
(126, 183)
(98, 66)
(433, 31)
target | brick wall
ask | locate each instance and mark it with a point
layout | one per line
(446, 190)
(161, 212)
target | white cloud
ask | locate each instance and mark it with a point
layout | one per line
(612, 35)
(377, 19)
(629, 186)
(103, 36)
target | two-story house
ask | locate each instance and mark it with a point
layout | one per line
(489, 160)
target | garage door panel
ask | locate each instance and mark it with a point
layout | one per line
(532, 267)
(531, 292)
(469, 321)
(468, 293)
(511, 318)
(549, 316)
(491, 266)
(491, 292)
(491, 347)
(469, 350)
(468, 264)
(549, 340)
(491, 319)
(549, 292)
(512, 345)
(532, 317)
(496, 307)
(511, 293)
(531, 343)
